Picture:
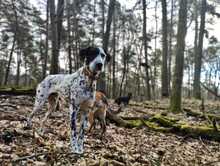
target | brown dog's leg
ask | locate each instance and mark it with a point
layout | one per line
(52, 104)
(91, 121)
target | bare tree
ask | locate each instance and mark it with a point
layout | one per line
(164, 72)
(145, 50)
(198, 54)
(175, 101)
(47, 33)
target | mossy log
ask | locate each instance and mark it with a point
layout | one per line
(17, 91)
(162, 123)
(189, 112)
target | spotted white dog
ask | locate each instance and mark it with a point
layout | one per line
(77, 88)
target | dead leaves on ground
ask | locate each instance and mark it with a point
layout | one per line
(120, 147)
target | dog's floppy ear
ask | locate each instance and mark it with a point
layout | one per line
(83, 53)
(108, 57)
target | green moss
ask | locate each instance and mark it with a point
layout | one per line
(135, 123)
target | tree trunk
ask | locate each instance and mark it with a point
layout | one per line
(145, 50)
(170, 52)
(54, 68)
(124, 70)
(101, 82)
(9, 60)
(46, 49)
(18, 67)
(13, 44)
(93, 25)
(69, 36)
(108, 24)
(164, 73)
(155, 54)
(175, 101)
(59, 16)
(198, 54)
(113, 57)
(103, 19)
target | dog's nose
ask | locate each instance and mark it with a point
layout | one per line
(99, 66)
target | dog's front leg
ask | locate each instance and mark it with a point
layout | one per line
(73, 135)
(83, 125)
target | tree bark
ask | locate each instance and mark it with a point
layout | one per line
(198, 54)
(108, 24)
(175, 101)
(47, 33)
(113, 57)
(13, 44)
(69, 37)
(164, 71)
(18, 67)
(59, 21)
(54, 68)
(145, 50)
(101, 83)
(170, 51)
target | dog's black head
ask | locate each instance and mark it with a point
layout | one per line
(95, 58)
(129, 94)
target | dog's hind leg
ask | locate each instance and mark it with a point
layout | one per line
(40, 99)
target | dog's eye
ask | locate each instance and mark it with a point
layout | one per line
(102, 55)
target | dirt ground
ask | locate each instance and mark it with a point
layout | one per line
(119, 147)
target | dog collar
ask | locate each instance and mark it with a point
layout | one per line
(90, 74)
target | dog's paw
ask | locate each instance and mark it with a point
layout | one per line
(28, 125)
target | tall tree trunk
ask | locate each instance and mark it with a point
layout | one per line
(145, 50)
(124, 70)
(170, 52)
(101, 83)
(155, 53)
(103, 19)
(175, 101)
(164, 72)
(59, 21)
(108, 24)
(47, 34)
(18, 67)
(54, 67)
(69, 36)
(93, 25)
(9, 60)
(113, 57)
(198, 54)
(13, 44)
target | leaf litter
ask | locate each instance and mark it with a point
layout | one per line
(119, 147)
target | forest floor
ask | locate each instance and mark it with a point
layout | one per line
(120, 146)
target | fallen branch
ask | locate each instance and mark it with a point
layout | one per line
(17, 92)
(210, 90)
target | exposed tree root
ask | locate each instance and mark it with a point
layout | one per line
(162, 123)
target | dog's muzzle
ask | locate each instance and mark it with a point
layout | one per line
(99, 66)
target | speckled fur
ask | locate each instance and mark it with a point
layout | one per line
(75, 88)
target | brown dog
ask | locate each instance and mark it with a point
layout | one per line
(99, 111)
